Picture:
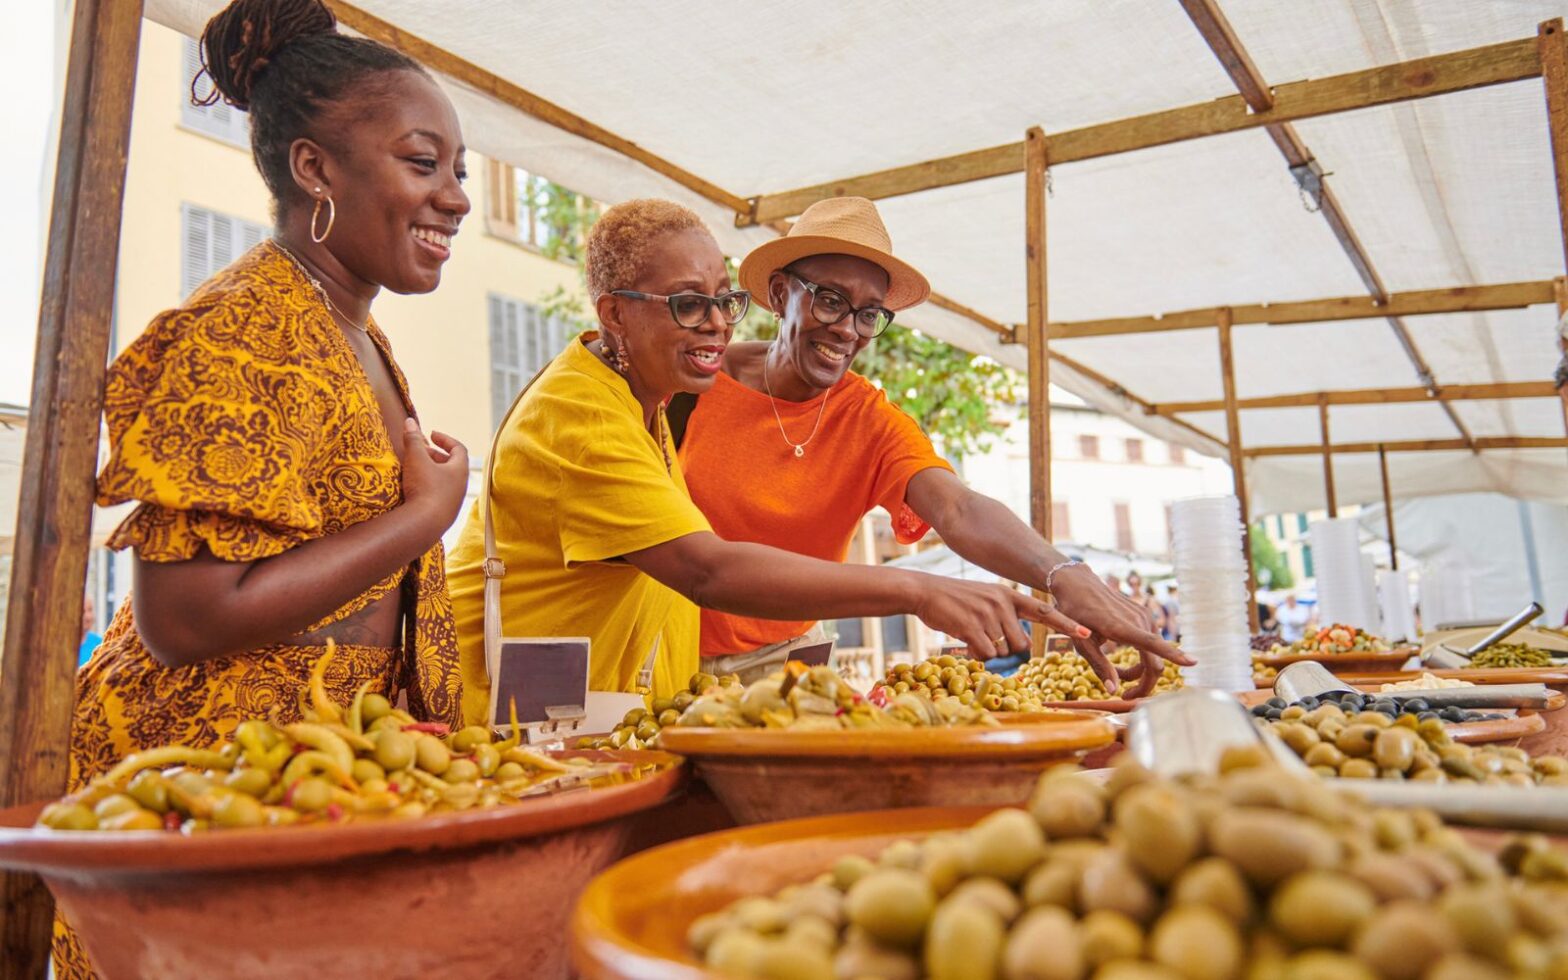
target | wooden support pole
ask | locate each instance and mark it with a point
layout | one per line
(54, 513)
(1237, 460)
(1328, 459)
(1367, 396)
(1479, 444)
(1036, 339)
(1421, 78)
(1454, 299)
(1388, 507)
(1553, 48)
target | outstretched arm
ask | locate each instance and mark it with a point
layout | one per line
(984, 531)
(755, 580)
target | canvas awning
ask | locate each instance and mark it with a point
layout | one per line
(756, 99)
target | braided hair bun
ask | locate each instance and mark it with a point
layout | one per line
(285, 63)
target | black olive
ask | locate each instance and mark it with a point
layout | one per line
(1260, 710)
(1309, 702)
(1274, 714)
(1452, 714)
(1276, 702)
(1417, 704)
(1427, 716)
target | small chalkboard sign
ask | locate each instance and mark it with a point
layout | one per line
(815, 655)
(547, 677)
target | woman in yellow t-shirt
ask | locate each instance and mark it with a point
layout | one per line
(592, 521)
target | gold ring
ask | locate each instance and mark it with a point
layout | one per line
(1000, 641)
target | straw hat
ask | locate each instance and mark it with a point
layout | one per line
(836, 226)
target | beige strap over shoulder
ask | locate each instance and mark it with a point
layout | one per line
(494, 567)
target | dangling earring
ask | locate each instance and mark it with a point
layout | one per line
(618, 359)
(332, 216)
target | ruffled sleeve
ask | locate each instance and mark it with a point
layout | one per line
(215, 426)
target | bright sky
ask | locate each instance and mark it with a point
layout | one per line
(27, 69)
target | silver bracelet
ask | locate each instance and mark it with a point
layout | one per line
(1051, 575)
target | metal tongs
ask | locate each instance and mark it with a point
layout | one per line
(1308, 678)
(1187, 731)
(1445, 656)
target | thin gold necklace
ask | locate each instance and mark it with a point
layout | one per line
(321, 290)
(800, 447)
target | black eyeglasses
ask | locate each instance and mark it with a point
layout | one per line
(830, 306)
(690, 310)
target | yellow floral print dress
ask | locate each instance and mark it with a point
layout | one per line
(244, 424)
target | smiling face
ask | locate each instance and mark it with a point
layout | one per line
(820, 353)
(664, 356)
(395, 174)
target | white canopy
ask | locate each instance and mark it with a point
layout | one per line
(770, 96)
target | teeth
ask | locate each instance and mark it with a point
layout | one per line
(828, 352)
(434, 237)
(706, 356)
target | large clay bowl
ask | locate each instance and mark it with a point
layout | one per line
(479, 893)
(1344, 663)
(1524, 728)
(631, 921)
(777, 774)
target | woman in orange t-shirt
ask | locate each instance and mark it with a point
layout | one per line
(791, 448)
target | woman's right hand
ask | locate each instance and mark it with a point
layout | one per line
(986, 617)
(435, 477)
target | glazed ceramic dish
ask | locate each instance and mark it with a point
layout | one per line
(631, 921)
(1345, 663)
(777, 774)
(476, 893)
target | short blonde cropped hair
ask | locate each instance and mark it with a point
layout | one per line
(618, 242)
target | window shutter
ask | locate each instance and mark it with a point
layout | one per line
(219, 119)
(195, 247)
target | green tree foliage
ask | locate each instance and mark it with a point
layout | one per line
(1272, 569)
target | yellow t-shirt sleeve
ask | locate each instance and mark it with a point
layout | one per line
(617, 497)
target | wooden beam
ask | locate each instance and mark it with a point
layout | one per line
(1553, 52)
(1037, 336)
(1237, 460)
(1457, 71)
(1454, 299)
(54, 512)
(1328, 459)
(953, 306)
(1388, 507)
(446, 63)
(1479, 444)
(1371, 396)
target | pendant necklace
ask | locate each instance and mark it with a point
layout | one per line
(321, 290)
(800, 447)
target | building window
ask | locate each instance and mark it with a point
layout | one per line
(1134, 450)
(851, 633)
(1170, 530)
(523, 339)
(528, 209)
(1089, 447)
(1306, 562)
(1178, 455)
(220, 119)
(1301, 526)
(1123, 527)
(895, 634)
(1060, 529)
(209, 241)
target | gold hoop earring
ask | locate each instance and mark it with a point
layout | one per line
(332, 216)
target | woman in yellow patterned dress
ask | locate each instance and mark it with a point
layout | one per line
(286, 494)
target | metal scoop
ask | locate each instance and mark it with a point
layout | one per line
(1445, 656)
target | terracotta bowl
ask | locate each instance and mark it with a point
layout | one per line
(1345, 663)
(478, 893)
(1553, 740)
(1520, 728)
(631, 921)
(763, 775)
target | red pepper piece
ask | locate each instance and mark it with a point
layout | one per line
(428, 727)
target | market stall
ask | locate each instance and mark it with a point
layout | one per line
(1431, 226)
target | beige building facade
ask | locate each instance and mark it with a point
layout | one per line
(194, 202)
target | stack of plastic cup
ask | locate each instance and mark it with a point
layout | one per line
(1347, 590)
(1211, 572)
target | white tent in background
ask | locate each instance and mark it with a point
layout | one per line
(764, 98)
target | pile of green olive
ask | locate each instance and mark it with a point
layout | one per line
(369, 760)
(966, 680)
(1250, 873)
(1511, 655)
(1068, 676)
(639, 729)
(1378, 745)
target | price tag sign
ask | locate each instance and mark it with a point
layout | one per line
(815, 655)
(548, 679)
